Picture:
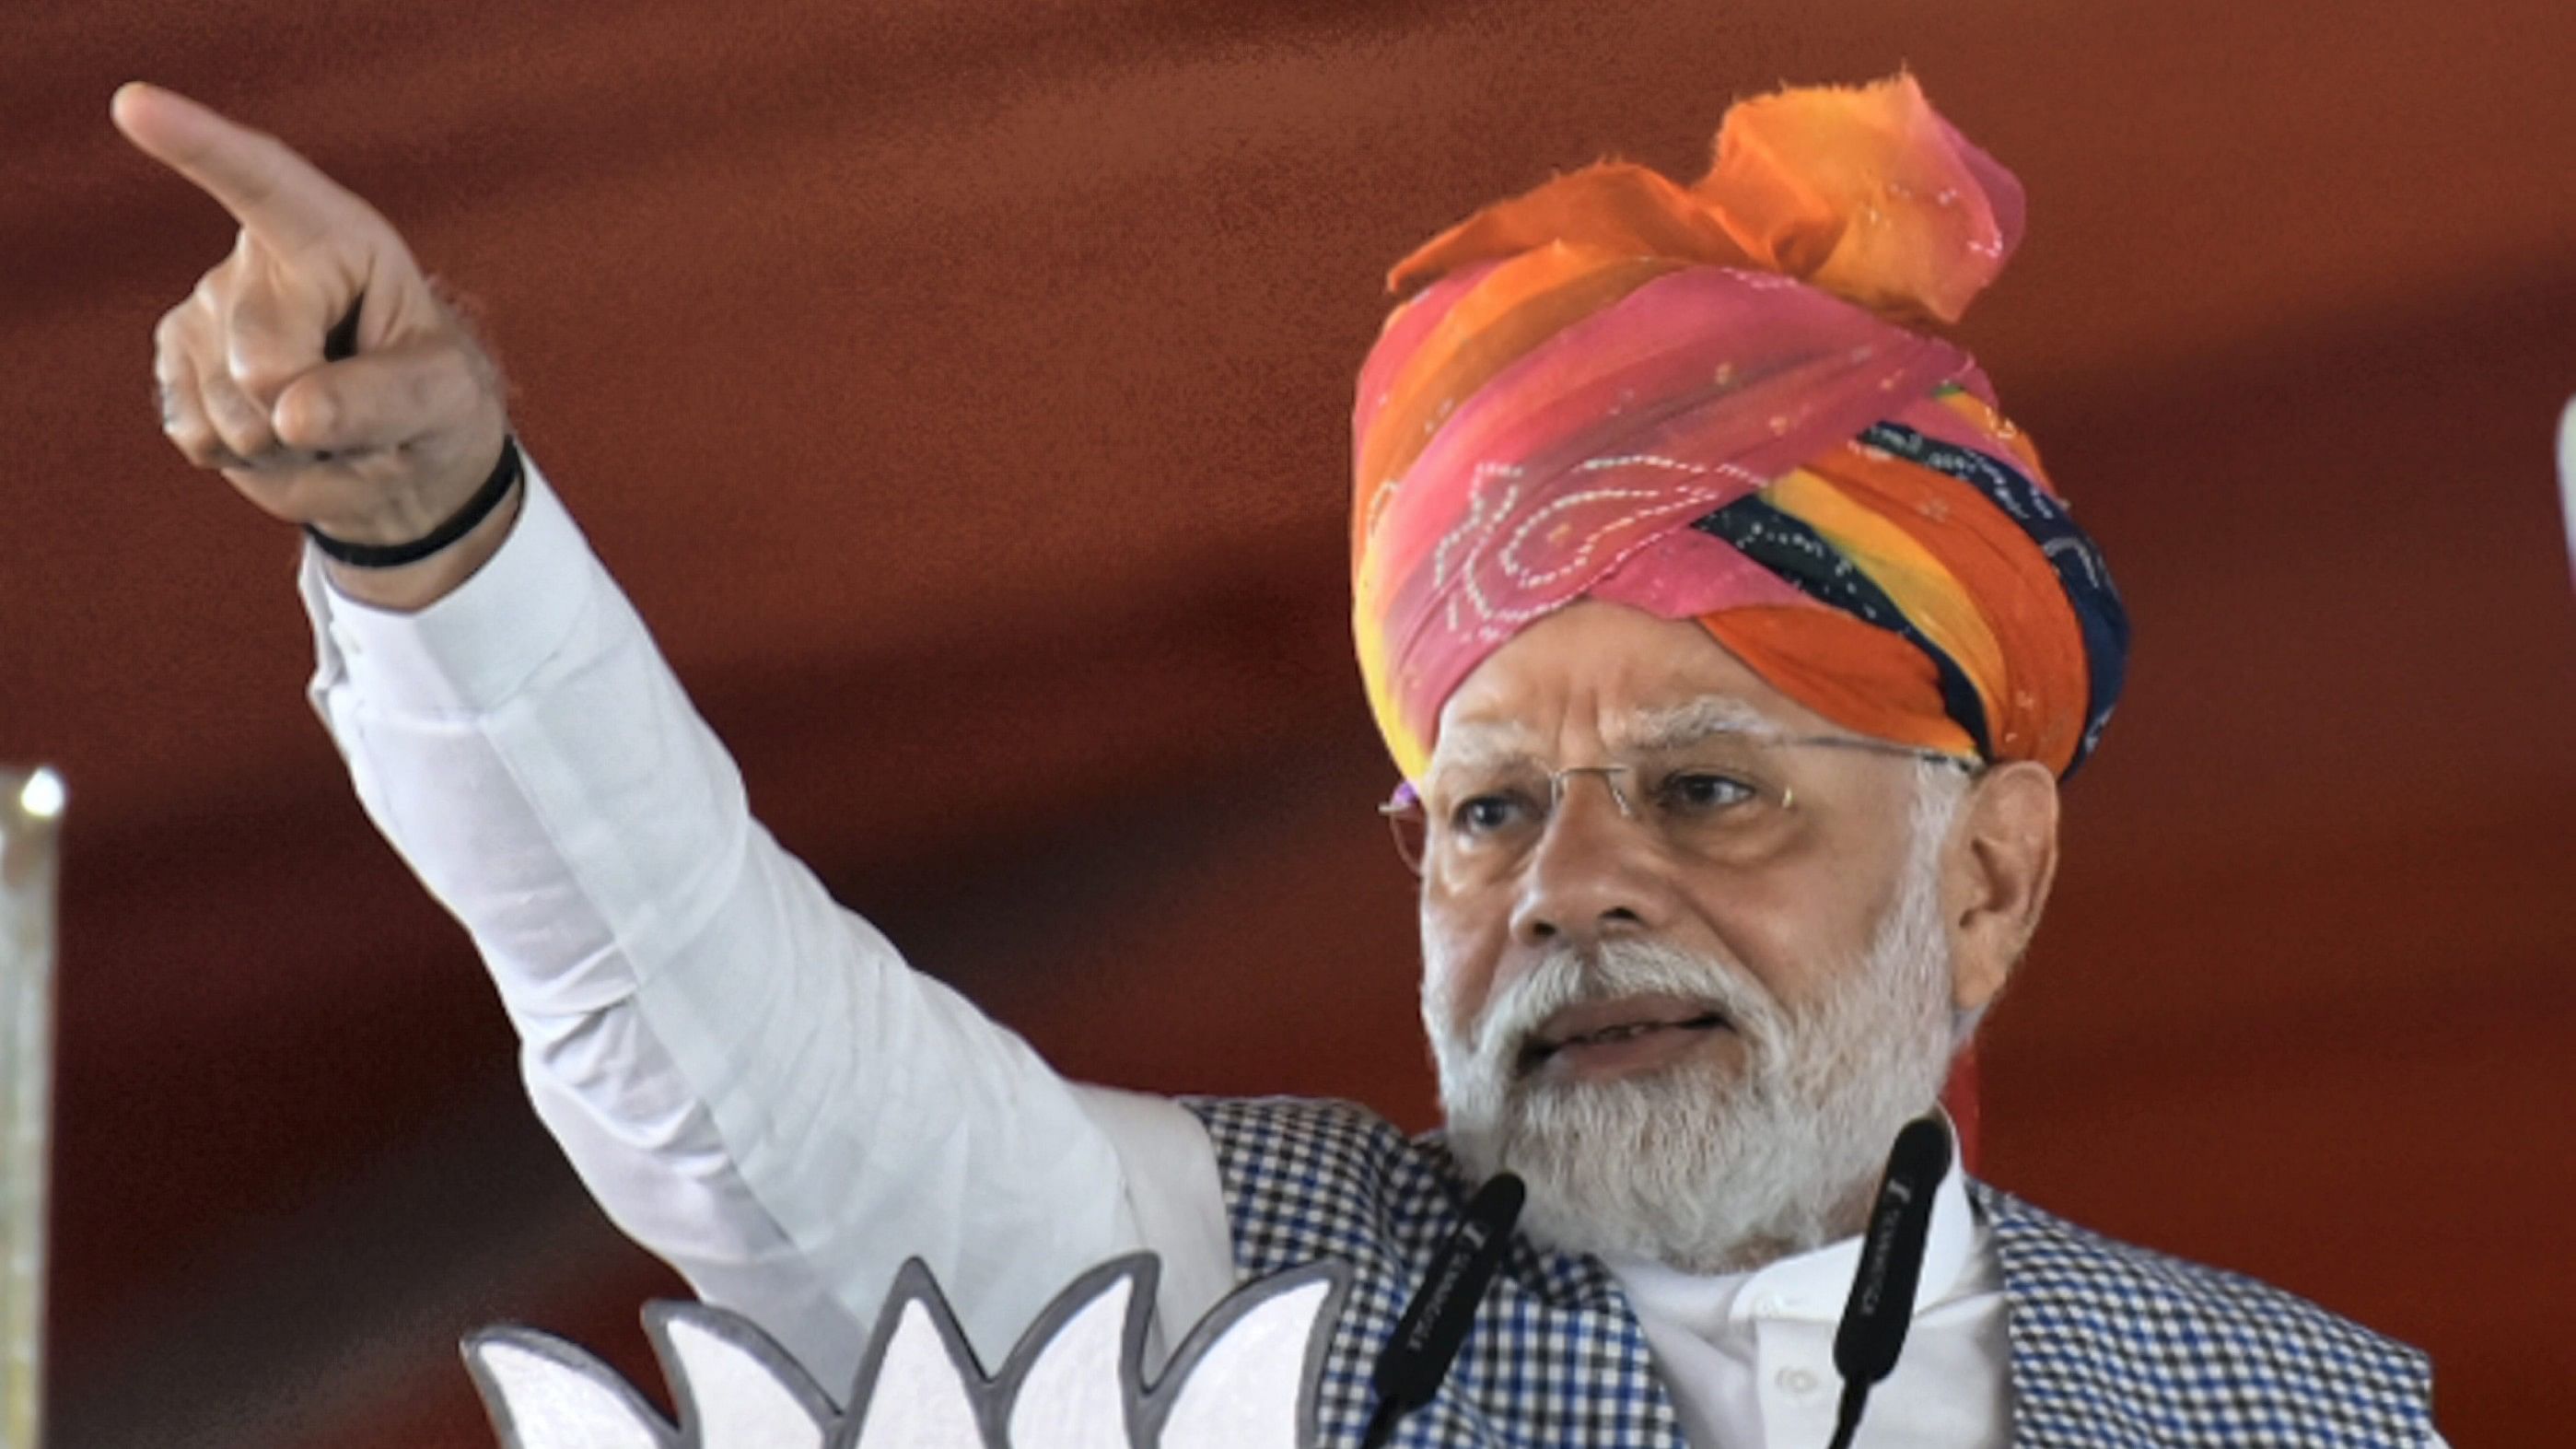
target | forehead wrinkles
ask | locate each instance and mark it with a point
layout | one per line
(1710, 714)
(1481, 744)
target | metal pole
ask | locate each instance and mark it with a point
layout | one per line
(31, 807)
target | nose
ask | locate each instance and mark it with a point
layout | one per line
(1592, 873)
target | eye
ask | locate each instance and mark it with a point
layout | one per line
(1702, 792)
(1490, 814)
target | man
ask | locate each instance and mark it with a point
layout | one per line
(1731, 644)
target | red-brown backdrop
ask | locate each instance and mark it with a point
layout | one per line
(961, 388)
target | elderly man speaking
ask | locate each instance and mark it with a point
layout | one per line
(1730, 643)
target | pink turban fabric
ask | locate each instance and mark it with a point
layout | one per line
(1718, 402)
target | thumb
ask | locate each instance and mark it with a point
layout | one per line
(382, 399)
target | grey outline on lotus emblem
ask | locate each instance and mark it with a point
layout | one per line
(1245, 1378)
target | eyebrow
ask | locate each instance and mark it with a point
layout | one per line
(1481, 745)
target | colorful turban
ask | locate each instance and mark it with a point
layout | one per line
(1717, 402)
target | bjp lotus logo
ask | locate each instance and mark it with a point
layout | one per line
(1245, 1378)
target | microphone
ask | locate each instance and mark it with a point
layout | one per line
(1891, 1265)
(1428, 1335)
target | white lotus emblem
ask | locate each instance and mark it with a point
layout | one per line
(1245, 1378)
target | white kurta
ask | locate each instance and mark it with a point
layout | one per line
(757, 1088)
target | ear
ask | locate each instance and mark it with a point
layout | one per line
(1996, 870)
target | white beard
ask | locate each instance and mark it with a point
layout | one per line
(1697, 1166)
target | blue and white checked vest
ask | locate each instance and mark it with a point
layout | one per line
(2112, 1345)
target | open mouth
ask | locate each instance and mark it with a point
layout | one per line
(1614, 1035)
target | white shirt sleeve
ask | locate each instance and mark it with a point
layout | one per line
(747, 1076)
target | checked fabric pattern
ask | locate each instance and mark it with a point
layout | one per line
(2113, 1347)
(2120, 1347)
(1556, 1358)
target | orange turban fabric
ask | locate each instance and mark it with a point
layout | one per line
(1717, 402)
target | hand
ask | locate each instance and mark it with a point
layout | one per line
(314, 366)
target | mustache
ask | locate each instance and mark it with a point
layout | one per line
(1577, 975)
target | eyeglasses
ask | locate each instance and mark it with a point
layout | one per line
(1724, 798)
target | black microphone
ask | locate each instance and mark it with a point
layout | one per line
(1891, 1264)
(1427, 1338)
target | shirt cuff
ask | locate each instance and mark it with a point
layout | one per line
(475, 648)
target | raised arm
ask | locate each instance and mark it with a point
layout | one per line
(747, 1076)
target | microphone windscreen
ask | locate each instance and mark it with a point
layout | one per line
(1435, 1323)
(1891, 1254)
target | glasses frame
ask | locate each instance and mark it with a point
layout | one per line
(1407, 805)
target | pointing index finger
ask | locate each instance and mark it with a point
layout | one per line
(276, 195)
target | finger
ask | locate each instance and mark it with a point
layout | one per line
(274, 193)
(183, 408)
(381, 399)
(183, 415)
(270, 337)
(241, 423)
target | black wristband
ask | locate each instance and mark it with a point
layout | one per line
(505, 476)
